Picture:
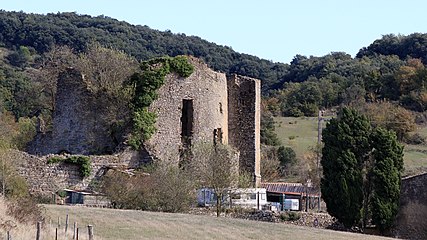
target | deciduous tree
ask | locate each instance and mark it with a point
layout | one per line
(216, 167)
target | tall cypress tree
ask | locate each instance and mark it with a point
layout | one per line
(346, 148)
(386, 174)
(361, 171)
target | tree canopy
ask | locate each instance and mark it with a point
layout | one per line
(41, 32)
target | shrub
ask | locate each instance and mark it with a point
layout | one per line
(415, 139)
(292, 137)
(166, 189)
(290, 216)
(62, 193)
(25, 210)
(15, 185)
(286, 156)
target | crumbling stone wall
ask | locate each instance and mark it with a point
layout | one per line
(411, 221)
(244, 101)
(207, 92)
(82, 120)
(45, 178)
(204, 107)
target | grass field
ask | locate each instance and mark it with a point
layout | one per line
(301, 135)
(130, 224)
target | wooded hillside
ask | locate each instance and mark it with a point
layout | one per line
(41, 32)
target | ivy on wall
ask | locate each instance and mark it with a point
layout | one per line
(145, 85)
(82, 161)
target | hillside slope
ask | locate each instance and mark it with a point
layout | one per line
(301, 134)
(77, 31)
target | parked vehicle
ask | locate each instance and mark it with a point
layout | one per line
(243, 197)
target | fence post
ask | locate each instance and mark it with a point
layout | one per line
(39, 227)
(66, 225)
(74, 230)
(77, 234)
(56, 233)
(8, 236)
(90, 231)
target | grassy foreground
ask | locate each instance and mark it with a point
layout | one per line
(130, 224)
(301, 135)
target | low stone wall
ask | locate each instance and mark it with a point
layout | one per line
(306, 219)
(44, 178)
(411, 221)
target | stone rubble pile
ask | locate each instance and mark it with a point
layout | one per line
(307, 219)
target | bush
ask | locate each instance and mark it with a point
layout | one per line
(290, 216)
(292, 137)
(166, 189)
(239, 210)
(15, 186)
(286, 156)
(25, 210)
(415, 139)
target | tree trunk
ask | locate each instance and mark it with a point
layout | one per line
(218, 204)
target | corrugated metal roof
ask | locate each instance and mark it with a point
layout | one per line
(288, 188)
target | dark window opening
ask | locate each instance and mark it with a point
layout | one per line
(220, 108)
(187, 122)
(217, 136)
(186, 131)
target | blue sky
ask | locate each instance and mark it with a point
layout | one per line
(276, 30)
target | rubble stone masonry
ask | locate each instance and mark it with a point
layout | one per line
(204, 107)
(81, 120)
(411, 221)
(244, 103)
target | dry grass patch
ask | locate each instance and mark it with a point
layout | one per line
(17, 229)
(130, 224)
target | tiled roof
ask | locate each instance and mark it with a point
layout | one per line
(288, 188)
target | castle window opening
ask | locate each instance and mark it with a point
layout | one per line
(217, 136)
(187, 122)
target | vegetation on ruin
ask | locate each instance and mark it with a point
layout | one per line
(82, 161)
(145, 85)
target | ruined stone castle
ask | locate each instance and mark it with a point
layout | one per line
(207, 106)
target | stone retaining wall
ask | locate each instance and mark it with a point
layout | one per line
(44, 178)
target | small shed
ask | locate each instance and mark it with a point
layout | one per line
(284, 195)
(86, 198)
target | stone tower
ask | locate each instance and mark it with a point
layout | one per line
(244, 124)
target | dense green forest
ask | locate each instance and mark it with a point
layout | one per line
(337, 78)
(41, 32)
